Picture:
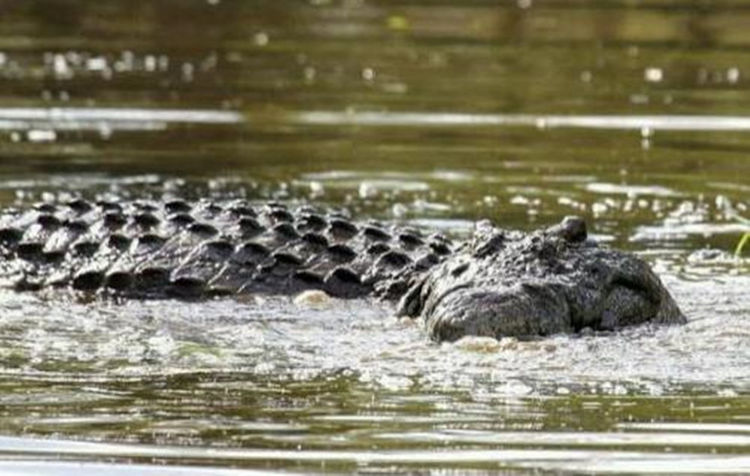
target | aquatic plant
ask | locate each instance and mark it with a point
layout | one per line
(741, 244)
(745, 237)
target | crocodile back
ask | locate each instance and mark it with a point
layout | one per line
(193, 249)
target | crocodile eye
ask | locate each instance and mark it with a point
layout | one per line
(572, 229)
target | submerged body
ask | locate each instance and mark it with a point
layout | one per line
(499, 283)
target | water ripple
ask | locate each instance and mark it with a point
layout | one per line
(644, 123)
(114, 118)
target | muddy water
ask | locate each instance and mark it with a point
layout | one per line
(632, 115)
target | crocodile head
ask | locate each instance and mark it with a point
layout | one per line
(509, 283)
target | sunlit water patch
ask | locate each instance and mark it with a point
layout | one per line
(42, 124)
(398, 461)
(645, 124)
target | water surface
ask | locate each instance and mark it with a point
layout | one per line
(633, 115)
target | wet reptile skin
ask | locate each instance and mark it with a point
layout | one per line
(498, 283)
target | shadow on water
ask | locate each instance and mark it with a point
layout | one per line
(434, 114)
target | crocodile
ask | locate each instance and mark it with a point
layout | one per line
(496, 283)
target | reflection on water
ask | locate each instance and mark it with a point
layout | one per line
(617, 462)
(633, 116)
(645, 124)
(41, 124)
(69, 118)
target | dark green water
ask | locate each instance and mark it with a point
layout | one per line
(632, 114)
